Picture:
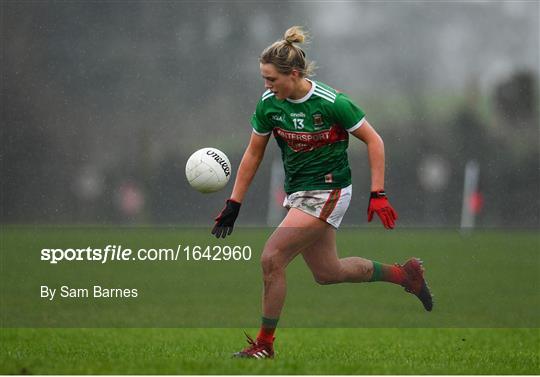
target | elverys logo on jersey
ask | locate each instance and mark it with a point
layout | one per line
(298, 115)
(307, 141)
(221, 161)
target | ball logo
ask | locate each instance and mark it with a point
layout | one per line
(220, 161)
(208, 170)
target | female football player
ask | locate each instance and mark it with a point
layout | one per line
(311, 123)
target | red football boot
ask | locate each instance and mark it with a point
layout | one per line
(256, 350)
(416, 284)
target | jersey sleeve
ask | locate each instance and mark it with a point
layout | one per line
(347, 113)
(259, 122)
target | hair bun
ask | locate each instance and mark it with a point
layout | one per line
(286, 56)
(294, 34)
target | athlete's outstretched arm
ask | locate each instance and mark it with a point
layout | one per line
(246, 171)
(248, 166)
(378, 202)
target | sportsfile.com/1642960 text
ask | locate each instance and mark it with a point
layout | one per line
(117, 253)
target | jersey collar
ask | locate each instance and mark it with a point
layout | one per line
(306, 97)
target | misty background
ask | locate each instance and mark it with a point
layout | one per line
(103, 102)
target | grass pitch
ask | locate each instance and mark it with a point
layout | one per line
(485, 320)
(298, 351)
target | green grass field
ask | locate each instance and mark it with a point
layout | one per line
(299, 351)
(190, 316)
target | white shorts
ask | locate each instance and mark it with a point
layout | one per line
(327, 205)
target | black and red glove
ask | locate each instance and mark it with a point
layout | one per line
(379, 204)
(225, 220)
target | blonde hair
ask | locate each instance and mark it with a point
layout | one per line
(285, 55)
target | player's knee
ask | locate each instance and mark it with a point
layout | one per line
(270, 262)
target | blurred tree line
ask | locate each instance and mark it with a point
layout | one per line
(102, 103)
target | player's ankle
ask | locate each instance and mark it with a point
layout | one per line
(265, 339)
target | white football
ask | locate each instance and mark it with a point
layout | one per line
(208, 170)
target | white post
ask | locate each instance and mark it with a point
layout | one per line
(275, 192)
(470, 186)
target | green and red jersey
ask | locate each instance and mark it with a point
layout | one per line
(313, 135)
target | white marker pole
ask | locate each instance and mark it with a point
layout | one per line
(275, 210)
(470, 186)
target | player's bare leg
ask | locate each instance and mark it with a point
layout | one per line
(297, 231)
(327, 268)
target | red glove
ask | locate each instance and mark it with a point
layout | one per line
(378, 203)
